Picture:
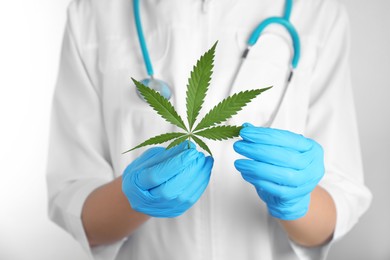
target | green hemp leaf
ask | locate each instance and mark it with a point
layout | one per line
(208, 127)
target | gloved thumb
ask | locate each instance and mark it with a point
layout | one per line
(247, 125)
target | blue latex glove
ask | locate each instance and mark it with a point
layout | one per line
(283, 166)
(165, 183)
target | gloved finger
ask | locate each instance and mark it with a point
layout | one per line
(177, 184)
(252, 171)
(190, 193)
(284, 193)
(145, 156)
(276, 155)
(165, 154)
(148, 178)
(275, 137)
(194, 191)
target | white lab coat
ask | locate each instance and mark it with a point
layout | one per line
(97, 115)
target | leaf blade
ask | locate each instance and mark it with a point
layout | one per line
(219, 133)
(202, 144)
(198, 84)
(228, 107)
(177, 141)
(160, 104)
(159, 139)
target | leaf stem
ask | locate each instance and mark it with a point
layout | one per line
(189, 140)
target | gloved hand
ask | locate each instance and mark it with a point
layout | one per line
(166, 183)
(284, 167)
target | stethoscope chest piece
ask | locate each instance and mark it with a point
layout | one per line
(157, 85)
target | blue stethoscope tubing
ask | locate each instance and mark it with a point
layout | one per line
(141, 38)
(284, 21)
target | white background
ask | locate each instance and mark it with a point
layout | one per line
(30, 41)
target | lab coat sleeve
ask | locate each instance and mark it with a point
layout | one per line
(331, 122)
(78, 159)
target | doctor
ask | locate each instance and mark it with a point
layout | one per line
(283, 192)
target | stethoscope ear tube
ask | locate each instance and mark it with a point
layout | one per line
(285, 22)
(159, 85)
(141, 38)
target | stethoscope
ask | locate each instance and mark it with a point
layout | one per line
(163, 88)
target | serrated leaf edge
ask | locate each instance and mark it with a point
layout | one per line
(202, 144)
(207, 133)
(177, 141)
(214, 117)
(158, 139)
(204, 67)
(163, 102)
